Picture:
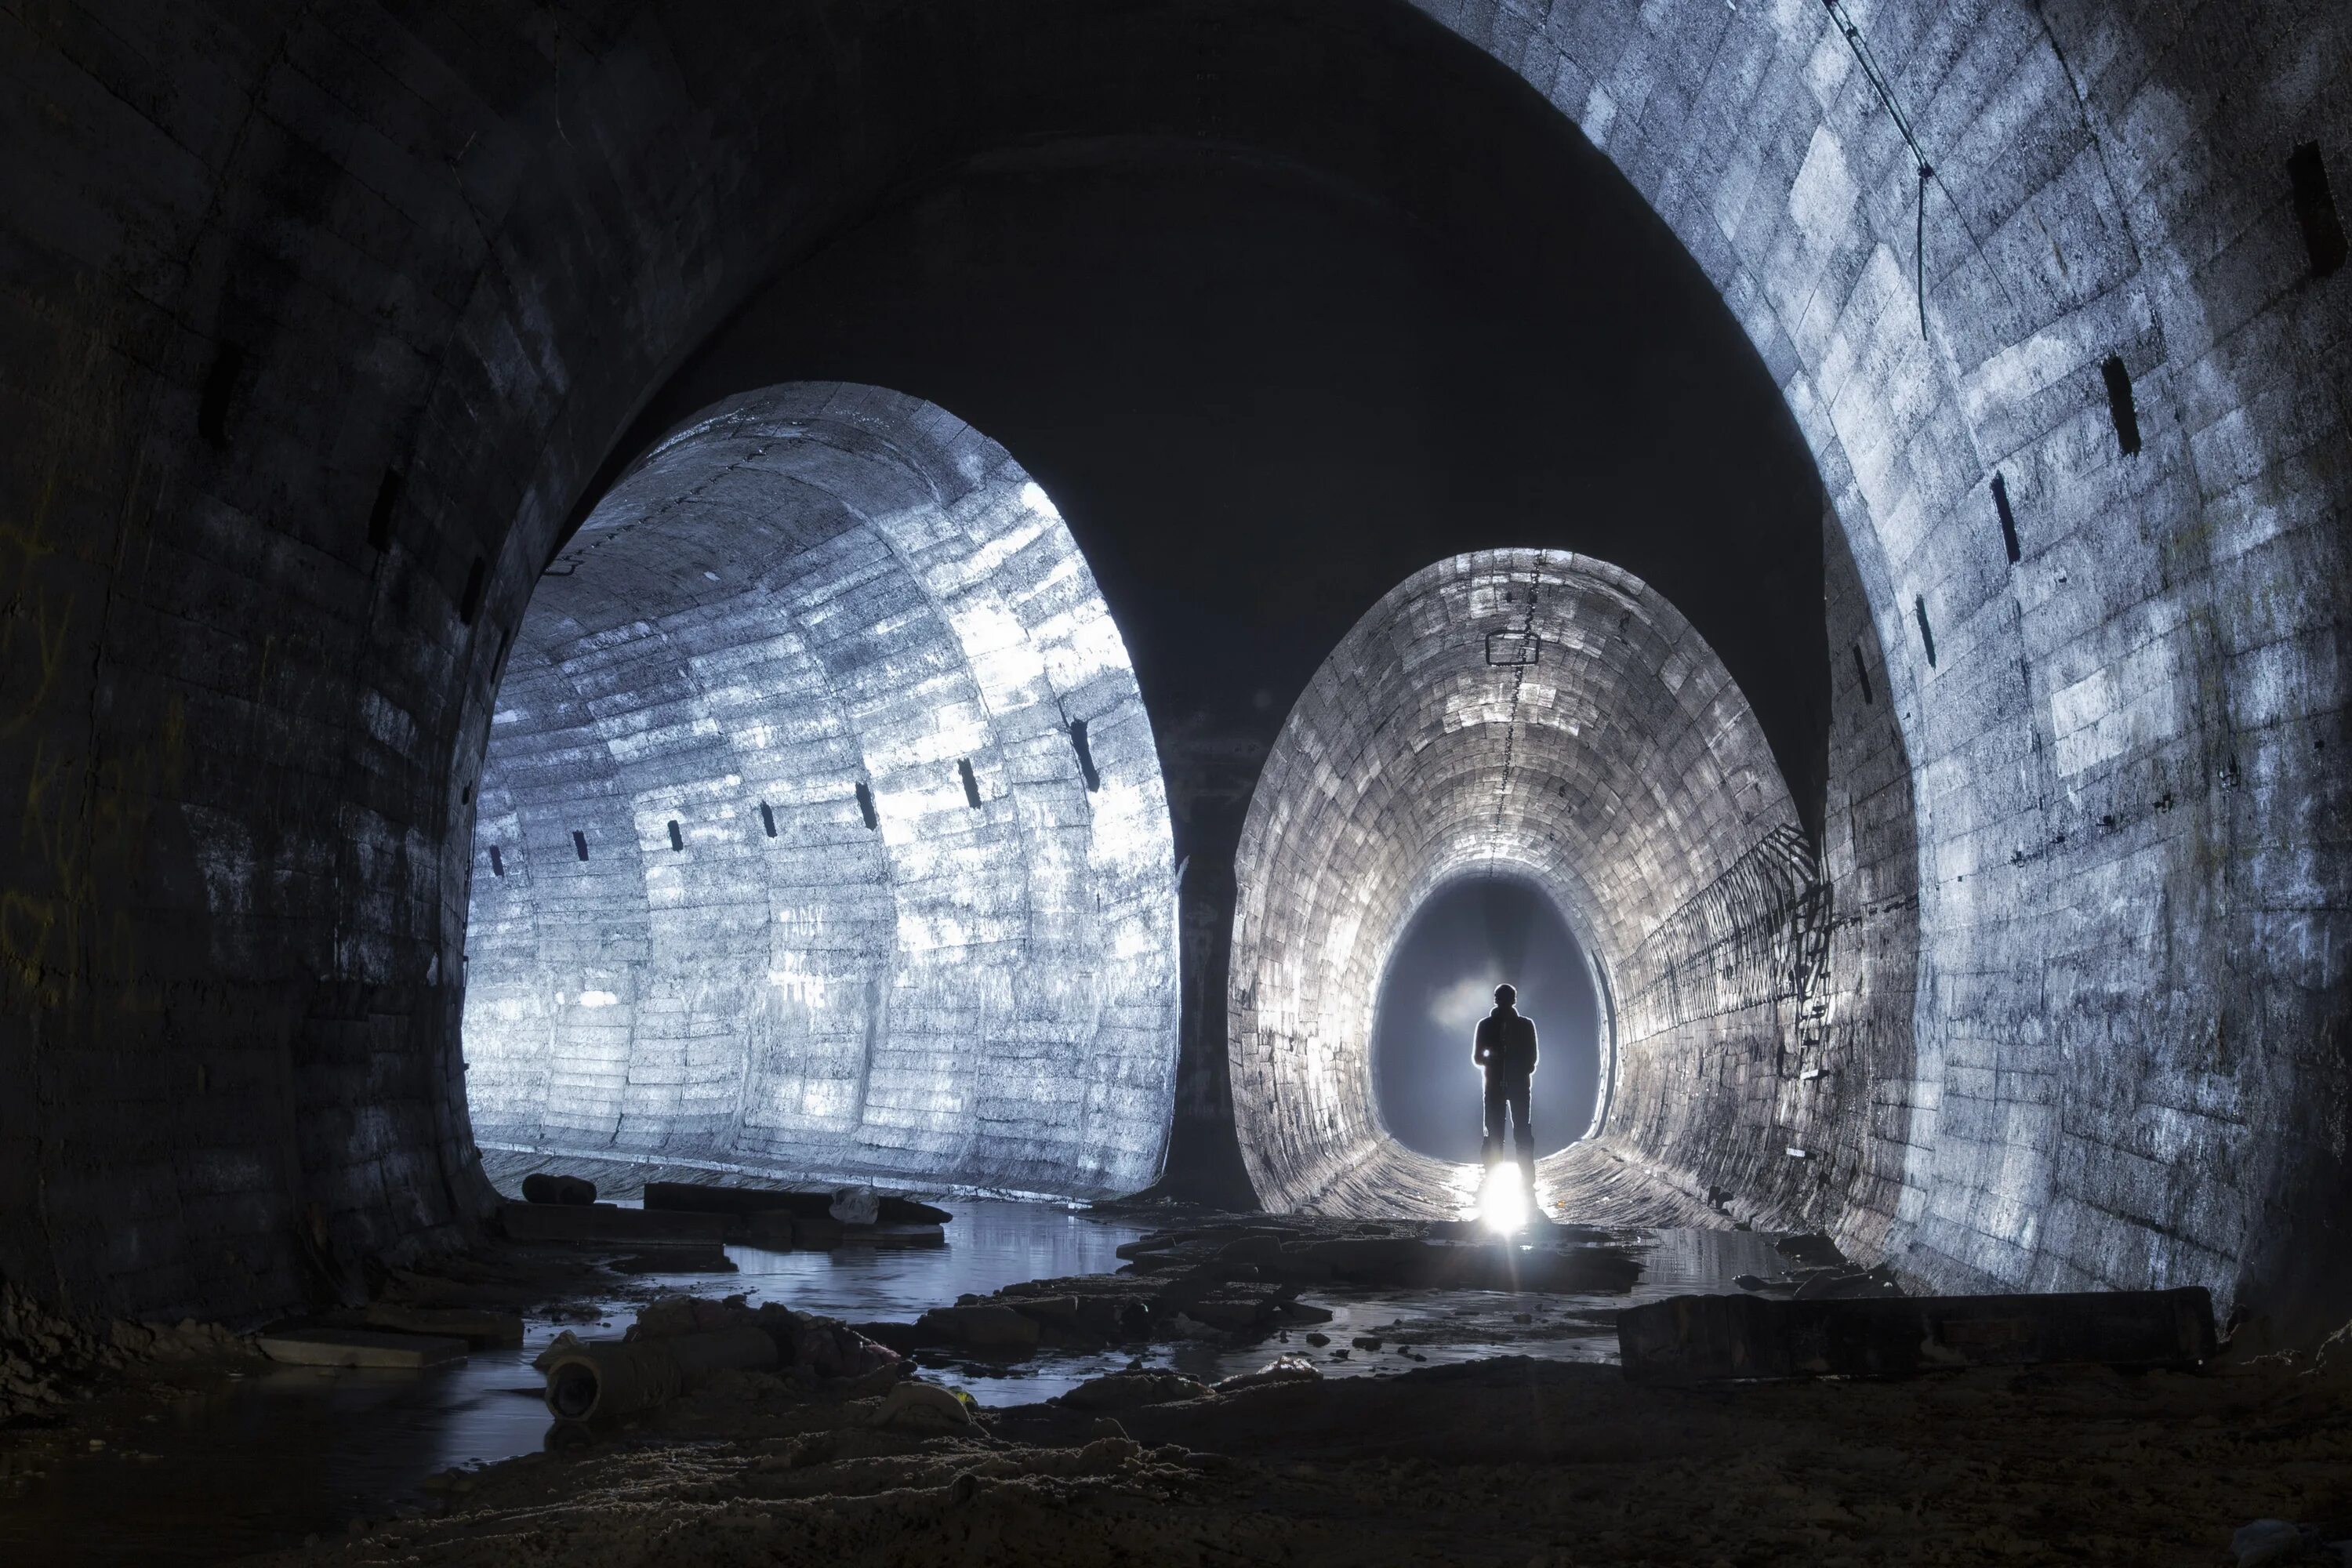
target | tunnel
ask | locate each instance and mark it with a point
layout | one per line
(820, 831)
(1486, 928)
(1546, 716)
(1956, 561)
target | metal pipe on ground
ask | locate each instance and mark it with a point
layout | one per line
(601, 1381)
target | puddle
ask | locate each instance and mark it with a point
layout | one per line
(260, 1462)
(1438, 1326)
(285, 1452)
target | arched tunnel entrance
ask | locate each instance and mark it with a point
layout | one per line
(1485, 930)
(820, 832)
(2024, 551)
(1549, 717)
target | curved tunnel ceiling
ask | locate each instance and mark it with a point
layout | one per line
(313, 392)
(821, 831)
(1528, 712)
(1293, 334)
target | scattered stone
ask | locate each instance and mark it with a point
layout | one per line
(1848, 1284)
(1815, 1250)
(2268, 1540)
(923, 1406)
(675, 1260)
(1132, 1390)
(985, 1324)
(1180, 1327)
(1699, 1339)
(48, 1359)
(855, 1206)
(1319, 1340)
(1365, 1342)
(903, 1338)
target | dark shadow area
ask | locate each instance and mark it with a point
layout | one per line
(1377, 305)
(1440, 981)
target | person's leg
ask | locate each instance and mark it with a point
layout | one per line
(1495, 1131)
(1520, 1094)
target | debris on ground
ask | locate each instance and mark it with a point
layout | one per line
(1509, 1460)
(546, 1187)
(308, 1345)
(1702, 1339)
(49, 1360)
(680, 1343)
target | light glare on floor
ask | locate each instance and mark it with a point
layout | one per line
(1503, 1201)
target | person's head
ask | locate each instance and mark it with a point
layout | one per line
(1505, 995)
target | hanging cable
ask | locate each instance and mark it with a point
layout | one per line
(1860, 48)
(1531, 645)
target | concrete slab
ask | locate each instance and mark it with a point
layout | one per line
(603, 1222)
(893, 1235)
(476, 1326)
(358, 1347)
(1705, 1339)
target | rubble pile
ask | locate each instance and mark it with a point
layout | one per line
(48, 1359)
(1239, 1280)
(1818, 1271)
(809, 1347)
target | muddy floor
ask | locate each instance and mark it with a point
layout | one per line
(1505, 1461)
(1358, 1418)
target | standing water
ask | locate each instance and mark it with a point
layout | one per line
(261, 1461)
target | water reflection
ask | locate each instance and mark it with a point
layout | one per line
(285, 1452)
(259, 1462)
(1436, 1327)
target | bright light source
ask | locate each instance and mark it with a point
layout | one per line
(1503, 1201)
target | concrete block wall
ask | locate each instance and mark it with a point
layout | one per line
(813, 590)
(2131, 1001)
(1623, 772)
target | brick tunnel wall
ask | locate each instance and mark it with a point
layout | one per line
(811, 591)
(322, 319)
(1542, 715)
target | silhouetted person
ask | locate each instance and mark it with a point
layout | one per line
(1505, 1048)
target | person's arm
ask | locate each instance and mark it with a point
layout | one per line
(1481, 1048)
(1531, 1047)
